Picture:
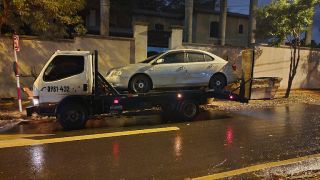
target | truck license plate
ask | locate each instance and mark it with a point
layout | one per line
(116, 109)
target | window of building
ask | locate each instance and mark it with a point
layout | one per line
(63, 66)
(214, 29)
(92, 18)
(159, 27)
(240, 29)
(195, 57)
(175, 58)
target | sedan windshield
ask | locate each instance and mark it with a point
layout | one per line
(151, 58)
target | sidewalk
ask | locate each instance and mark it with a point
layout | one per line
(296, 96)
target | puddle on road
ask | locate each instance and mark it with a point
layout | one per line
(50, 125)
(151, 118)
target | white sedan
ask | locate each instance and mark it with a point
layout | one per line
(174, 69)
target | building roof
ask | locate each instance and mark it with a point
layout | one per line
(158, 14)
(212, 11)
(179, 15)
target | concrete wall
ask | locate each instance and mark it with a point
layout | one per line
(275, 62)
(201, 34)
(176, 37)
(36, 52)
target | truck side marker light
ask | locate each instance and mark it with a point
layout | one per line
(115, 101)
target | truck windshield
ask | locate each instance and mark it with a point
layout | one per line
(151, 58)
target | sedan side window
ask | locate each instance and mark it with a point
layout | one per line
(208, 58)
(196, 57)
(174, 58)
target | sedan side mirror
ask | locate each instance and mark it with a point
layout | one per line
(159, 61)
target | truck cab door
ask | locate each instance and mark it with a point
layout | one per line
(64, 75)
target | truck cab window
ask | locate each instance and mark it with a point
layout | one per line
(63, 66)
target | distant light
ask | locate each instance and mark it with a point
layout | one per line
(115, 101)
(234, 67)
(231, 97)
(179, 95)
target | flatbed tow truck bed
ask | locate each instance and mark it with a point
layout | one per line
(73, 111)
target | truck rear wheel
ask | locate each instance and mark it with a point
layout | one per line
(72, 116)
(188, 110)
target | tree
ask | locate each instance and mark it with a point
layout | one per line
(48, 18)
(286, 20)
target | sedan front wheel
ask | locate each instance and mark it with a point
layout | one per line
(140, 84)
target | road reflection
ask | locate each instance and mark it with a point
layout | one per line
(178, 146)
(37, 159)
(229, 135)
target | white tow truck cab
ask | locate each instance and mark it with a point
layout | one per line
(70, 87)
(66, 73)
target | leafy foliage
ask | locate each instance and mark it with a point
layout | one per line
(48, 18)
(286, 20)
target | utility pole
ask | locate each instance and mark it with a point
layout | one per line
(309, 32)
(308, 35)
(223, 22)
(104, 17)
(188, 19)
(252, 22)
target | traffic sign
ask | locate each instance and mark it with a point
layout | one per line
(16, 46)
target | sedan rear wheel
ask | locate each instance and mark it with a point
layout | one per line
(140, 84)
(217, 82)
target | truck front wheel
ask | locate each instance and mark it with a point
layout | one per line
(72, 116)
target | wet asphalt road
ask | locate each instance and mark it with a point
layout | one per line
(215, 142)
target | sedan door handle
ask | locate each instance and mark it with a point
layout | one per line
(181, 68)
(210, 66)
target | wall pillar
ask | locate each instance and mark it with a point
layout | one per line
(223, 22)
(140, 34)
(176, 37)
(188, 20)
(104, 17)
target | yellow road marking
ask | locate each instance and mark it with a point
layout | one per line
(18, 136)
(256, 168)
(30, 142)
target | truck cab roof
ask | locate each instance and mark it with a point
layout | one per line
(80, 53)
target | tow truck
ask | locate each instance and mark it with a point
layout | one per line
(71, 88)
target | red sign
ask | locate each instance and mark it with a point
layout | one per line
(16, 46)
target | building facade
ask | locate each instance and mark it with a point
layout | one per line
(205, 25)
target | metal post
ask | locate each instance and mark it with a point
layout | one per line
(18, 79)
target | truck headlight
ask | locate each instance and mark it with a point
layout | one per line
(35, 101)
